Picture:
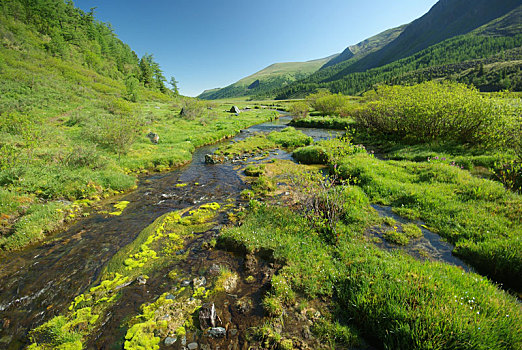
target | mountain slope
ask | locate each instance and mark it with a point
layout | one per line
(500, 34)
(273, 76)
(366, 46)
(446, 19)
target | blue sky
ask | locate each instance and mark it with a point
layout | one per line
(209, 43)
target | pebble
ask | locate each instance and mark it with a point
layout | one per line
(192, 346)
(199, 281)
(185, 283)
(170, 340)
(170, 297)
(217, 332)
(141, 280)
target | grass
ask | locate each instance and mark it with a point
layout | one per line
(328, 122)
(392, 299)
(479, 216)
(288, 138)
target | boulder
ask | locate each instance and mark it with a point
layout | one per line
(235, 109)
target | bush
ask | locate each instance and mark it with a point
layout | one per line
(192, 109)
(298, 110)
(115, 132)
(436, 111)
(328, 104)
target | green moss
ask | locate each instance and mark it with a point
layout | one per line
(254, 170)
(313, 154)
(120, 206)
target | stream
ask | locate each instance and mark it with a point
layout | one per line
(40, 282)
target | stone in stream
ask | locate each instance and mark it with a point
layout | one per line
(170, 340)
(217, 332)
(185, 283)
(199, 282)
(207, 316)
(192, 346)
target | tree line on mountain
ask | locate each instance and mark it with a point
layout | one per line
(76, 36)
(338, 79)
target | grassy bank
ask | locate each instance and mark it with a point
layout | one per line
(391, 299)
(87, 154)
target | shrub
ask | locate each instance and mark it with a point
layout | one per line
(436, 111)
(192, 109)
(298, 110)
(327, 103)
(115, 132)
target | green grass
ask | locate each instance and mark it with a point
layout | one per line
(391, 299)
(327, 122)
(287, 138)
(479, 216)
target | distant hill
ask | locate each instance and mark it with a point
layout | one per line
(267, 79)
(501, 34)
(366, 46)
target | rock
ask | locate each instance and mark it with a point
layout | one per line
(199, 282)
(217, 332)
(214, 159)
(154, 138)
(141, 280)
(207, 316)
(170, 297)
(170, 340)
(230, 283)
(244, 305)
(235, 109)
(192, 346)
(185, 283)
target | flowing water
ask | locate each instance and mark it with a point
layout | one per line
(40, 281)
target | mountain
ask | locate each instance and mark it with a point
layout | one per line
(366, 46)
(502, 33)
(269, 78)
(446, 19)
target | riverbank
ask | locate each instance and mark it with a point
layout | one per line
(51, 183)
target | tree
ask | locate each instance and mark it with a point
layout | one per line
(132, 85)
(174, 83)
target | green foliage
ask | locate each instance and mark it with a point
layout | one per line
(298, 110)
(327, 122)
(313, 154)
(132, 86)
(435, 111)
(328, 104)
